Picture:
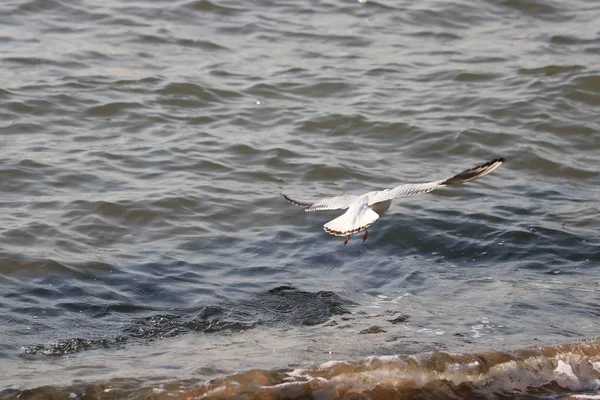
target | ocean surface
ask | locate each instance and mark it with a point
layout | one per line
(146, 250)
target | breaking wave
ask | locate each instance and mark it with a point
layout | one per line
(533, 372)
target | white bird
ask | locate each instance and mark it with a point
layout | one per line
(363, 210)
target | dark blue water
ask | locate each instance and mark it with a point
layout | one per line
(145, 148)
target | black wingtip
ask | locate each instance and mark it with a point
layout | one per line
(295, 202)
(475, 172)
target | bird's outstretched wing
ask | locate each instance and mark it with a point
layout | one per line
(410, 189)
(358, 217)
(331, 203)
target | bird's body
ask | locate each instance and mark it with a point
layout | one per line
(363, 210)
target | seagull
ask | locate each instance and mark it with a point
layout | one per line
(363, 210)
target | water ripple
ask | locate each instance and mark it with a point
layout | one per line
(145, 147)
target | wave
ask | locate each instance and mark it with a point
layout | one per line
(537, 372)
(281, 305)
(565, 371)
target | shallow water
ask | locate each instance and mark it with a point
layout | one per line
(144, 244)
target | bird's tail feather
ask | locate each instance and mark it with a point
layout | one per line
(351, 222)
(474, 173)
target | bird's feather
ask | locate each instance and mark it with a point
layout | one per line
(332, 203)
(358, 217)
(410, 189)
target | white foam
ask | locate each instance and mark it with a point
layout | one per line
(565, 376)
(331, 363)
